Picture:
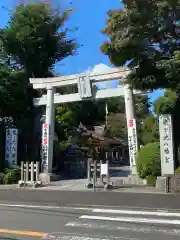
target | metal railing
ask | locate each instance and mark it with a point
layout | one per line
(30, 172)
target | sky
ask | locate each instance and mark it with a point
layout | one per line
(90, 17)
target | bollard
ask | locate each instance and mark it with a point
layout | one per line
(27, 172)
(37, 171)
(32, 172)
(22, 171)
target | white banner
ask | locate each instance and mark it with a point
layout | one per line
(132, 142)
(11, 145)
(166, 144)
(45, 145)
(104, 168)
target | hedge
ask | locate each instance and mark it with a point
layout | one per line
(149, 160)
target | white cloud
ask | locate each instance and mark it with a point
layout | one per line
(99, 69)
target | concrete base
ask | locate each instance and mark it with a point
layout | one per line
(89, 185)
(49, 177)
(134, 180)
(161, 183)
(133, 170)
(34, 184)
(118, 183)
(107, 186)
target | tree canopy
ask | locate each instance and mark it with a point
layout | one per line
(37, 38)
(34, 39)
(144, 35)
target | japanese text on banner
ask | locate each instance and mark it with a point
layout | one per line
(132, 141)
(166, 143)
(11, 146)
(45, 142)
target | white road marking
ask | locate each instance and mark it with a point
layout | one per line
(131, 212)
(161, 213)
(126, 207)
(71, 236)
(131, 228)
(42, 206)
(131, 219)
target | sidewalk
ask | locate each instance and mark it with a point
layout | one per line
(80, 185)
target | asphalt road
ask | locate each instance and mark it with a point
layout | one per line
(28, 222)
(65, 198)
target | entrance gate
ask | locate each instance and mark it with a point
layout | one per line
(84, 82)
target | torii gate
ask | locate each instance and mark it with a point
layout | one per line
(86, 92)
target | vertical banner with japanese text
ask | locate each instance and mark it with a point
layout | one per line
(45, 145)
(11, 145)
(166, 144)
(132, 141)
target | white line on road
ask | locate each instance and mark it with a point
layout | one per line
(162, 213)
(131, 212)
(126, 207)
(70, 236)
(131, 228)
(42, 206)
(131, 219)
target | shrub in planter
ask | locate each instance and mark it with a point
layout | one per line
(177, 170)
(12, 175)
(149, 160)
(151, 180)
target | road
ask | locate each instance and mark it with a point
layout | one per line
(32, 222)
(62, 198)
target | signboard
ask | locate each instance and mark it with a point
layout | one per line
(11, 145)
(84, 87)
(104, 168)
(166, 144)
(132, 141)
(45, 145)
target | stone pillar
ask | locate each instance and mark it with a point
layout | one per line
(47, 175)
(89, 171)
(50, 115)
(130, 115)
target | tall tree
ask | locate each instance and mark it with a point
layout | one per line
(117, 118)
(36, 39)
(165, 104)
(145, 36)
(35, 36)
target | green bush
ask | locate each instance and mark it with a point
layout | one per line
(149, 160)
(12, 175)
(151, 180)
(177, 170)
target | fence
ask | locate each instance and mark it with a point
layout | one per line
(30, 171)
(94, 170)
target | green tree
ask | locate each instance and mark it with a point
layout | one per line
(149, 131)
(35, 39)
(117, 125)
(117, 118)
(144, 35)
(149, 160)
(166, 103)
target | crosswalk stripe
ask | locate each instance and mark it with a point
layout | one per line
(132, 219)
(131, 228)
(131, 212)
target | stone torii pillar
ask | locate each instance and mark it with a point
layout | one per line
(132, 134)
(50, 120)
(46, 174)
